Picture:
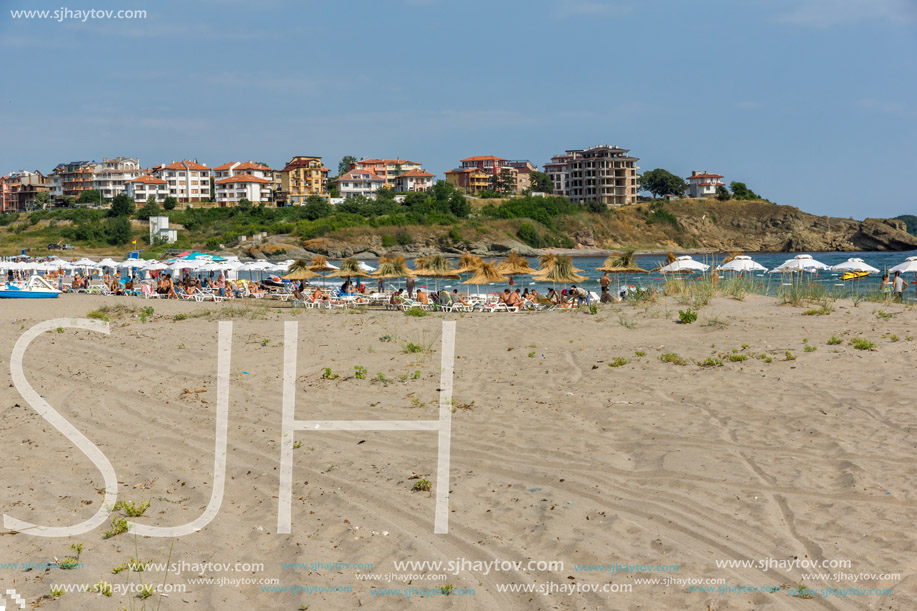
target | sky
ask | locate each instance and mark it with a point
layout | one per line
(811, 103)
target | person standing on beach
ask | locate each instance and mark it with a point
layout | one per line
(409, 285)
(605, 281)
(898, 286)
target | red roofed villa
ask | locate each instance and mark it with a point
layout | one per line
(703, 184)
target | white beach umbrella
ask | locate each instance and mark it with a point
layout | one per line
(799, 263)
(107, 262)
(909, 265)
(855, 265)
(181, 264)
(684, 264)
(84, 262)
(366, 268)
(155, 266)
(741, 263)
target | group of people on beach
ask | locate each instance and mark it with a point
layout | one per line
(896, 286)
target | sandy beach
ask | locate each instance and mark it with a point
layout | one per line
(788, 449)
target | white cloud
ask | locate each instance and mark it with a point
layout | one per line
(590, 8)
(830, 13)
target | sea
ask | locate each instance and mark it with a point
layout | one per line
(769, 283)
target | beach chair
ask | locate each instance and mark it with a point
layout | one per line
(147, 292)
(99, 289)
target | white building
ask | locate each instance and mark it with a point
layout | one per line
(359, 182)
(112, 175)
(159, 230)
(413, 180)
(236, 180)
(703, 184)
(559, 172)
(142, 187)
(189, 181)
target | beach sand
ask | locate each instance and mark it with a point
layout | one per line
(555, 455)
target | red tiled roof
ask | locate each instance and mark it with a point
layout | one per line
(483, 158)
(356, 174)
(704, 176)
(149, 180)
(241, 178)
(415, 174)
(178, 165)
(384, 161)
(245, 165)
(300, 163)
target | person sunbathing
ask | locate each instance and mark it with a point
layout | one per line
(396, 297)
(319, 295)
(457, 298)
(513, 300)
(422, 297)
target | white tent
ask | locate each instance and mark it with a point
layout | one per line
(799, 263)
(684, 264)
(741, 263)
(909, 265)
(855, 265)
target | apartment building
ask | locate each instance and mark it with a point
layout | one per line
(703, 184)
(145, 186)
(604, 173)
(359, 182)
(558, 170)
(189, 181)
(18, 190)
(302, 177)
(235, 181)
(524, 169)
(71, 179)
(477, 173)
(112, 175)
(387, 169)
(413, 181)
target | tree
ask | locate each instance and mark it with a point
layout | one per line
(169, 203)
(316, 207)
(213, 189)
(333, 192)
(740, 191)
(245, 204)
(121, 205)
(542, 183)
(90, 197)
(150, 208)
(118, 230)
(42, 199)
(504, 182)
(662, 182)
(722, 193)
(344, 165)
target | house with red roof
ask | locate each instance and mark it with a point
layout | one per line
(476, 173)
(387, 169)
(703, 184)
(145, 186)
(359, 182)
(238, 180)
(189, 181)
(413, 181)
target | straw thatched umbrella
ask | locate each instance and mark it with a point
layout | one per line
(622, 263)
(486, 274)
(300, 274)
(561, 271)
(319, 265)
(469, 264)
(392, 267)
(350, 268)
(434, 266)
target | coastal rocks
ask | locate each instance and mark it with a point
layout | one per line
(584, 238)
(883, 234)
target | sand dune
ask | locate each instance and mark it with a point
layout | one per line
(556, 456)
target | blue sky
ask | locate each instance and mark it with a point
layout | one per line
(810, 102)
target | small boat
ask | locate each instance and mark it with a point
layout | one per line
(36, 288)
(854, 275)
